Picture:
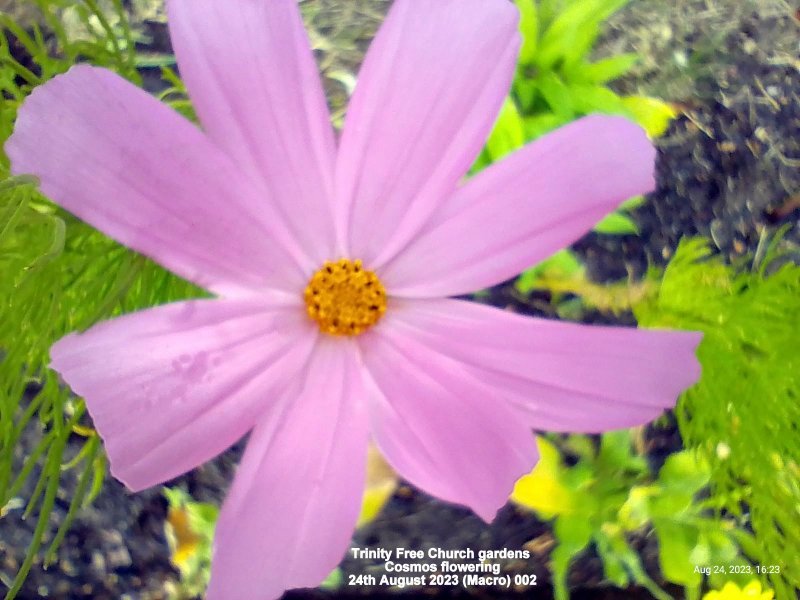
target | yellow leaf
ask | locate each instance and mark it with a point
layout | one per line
(182, 538)
(541, 490)
(652, 114)
(731, 591)
(381, 484)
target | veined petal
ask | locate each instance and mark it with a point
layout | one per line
(130, 166)
(524, 208)
(427, 95)
(290, 514)
(171, 387)
(439, 426)
(252, 78)
(560, 376)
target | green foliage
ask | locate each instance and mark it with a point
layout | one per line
(617, 223)
(599, 484)
(57, 274)
(508, 133)
(742, 418)
(190, 533)
(609, 494)
(53, 46)
(572, 292)
(740, 421)
(690, 538)
(556, 83)
(562, 265)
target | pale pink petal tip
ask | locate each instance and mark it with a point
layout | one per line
(440, 426)
(290, 514)
(171, 387)
(559, 376)
(251, 75)
(521, 210)
(127, 164)
(429, 90)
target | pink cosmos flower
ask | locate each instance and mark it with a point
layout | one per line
(317, 357)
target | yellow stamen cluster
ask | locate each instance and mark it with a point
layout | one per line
(344, 298)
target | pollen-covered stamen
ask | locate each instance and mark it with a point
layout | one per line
(344, 298)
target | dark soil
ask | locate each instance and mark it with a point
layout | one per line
(729, 166)
(117, 547)
(727, 169)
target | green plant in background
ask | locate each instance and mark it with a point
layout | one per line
(190, 528)
(740, 421)
(565, 278)
(106, 21)
(56, 275)
(53, 46)
(742, 418)
(190, 532)
(691, 535)
(609, 494)
(556, 83)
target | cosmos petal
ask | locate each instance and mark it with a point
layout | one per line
(427, 95)
(171, 387)
(439, 426)
(290, 514)
(250, 73)
(560, 376)
(130, 166)
(521, 210)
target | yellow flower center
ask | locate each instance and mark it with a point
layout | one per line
(344, 298)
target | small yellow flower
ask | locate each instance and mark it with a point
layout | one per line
(731, 591)
(542, 489)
